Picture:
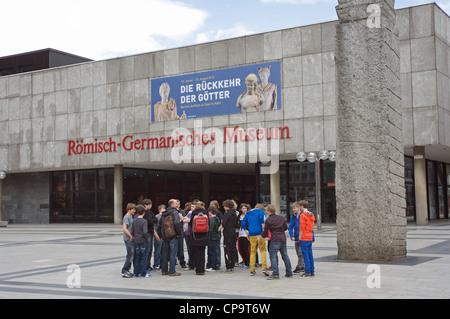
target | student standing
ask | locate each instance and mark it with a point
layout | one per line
(276, 225)
(243, 242)
(140, 234)
(229, 225)
(186, 221)
(180, 253)
(214, 239)
(199, 238)
(219, 214)
(158, 242)
(306, 238)
(128, 239)
(294, 227)
(253, 224)
(151, 222)
(169, 228)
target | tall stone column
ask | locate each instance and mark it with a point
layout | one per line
(275, 192)
(370, 191)
(420, 185)
(118, 194)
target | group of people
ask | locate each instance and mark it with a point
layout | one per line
(244, 230)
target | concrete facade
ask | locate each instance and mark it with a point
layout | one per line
(41, 111)
(424, 38)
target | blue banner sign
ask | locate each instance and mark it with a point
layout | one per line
(250, 88)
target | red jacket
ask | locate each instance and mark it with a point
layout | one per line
(307, 225)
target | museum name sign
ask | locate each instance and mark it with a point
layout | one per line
(180, 138)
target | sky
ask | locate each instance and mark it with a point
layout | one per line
(104, 29)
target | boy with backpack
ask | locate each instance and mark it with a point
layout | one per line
(199, 236)
(169, 228)
(214, 239)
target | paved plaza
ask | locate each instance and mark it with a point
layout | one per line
(84, 261)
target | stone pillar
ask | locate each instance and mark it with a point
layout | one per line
(2, 223)
(275, 190)
(370, 192)
(420, 185)
(118, 194)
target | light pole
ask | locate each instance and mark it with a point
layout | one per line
(314, 158)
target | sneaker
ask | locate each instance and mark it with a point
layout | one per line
(209, 269)
(245, 267)
(272, 277)
(127, 275)
(187, 269)
(252, 273)
(228, 271)
(146, 276)
(296, 270)
(304, 275)
(288, 276)
(266, 272)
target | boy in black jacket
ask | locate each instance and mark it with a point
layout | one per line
(229, 225)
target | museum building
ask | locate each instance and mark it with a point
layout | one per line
(212, 121)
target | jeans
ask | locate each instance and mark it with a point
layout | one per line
(300, 262)
(157, 255)
(129, 245)
(169, 254)
(306, 247)
(140, 266)
(212, 254)
(274, 248)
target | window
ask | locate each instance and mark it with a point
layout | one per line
(447, 174)
(410, 189)
(83, 196)
(432, 190)
(441, 191)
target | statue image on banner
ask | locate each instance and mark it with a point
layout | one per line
(250, 100)
(267, 90)
(166, 109)
(236, 90)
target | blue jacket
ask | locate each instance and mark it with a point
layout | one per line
(294, 226)
(253, 221)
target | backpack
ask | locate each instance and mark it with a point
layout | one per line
(169, 229)
(200, 223)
